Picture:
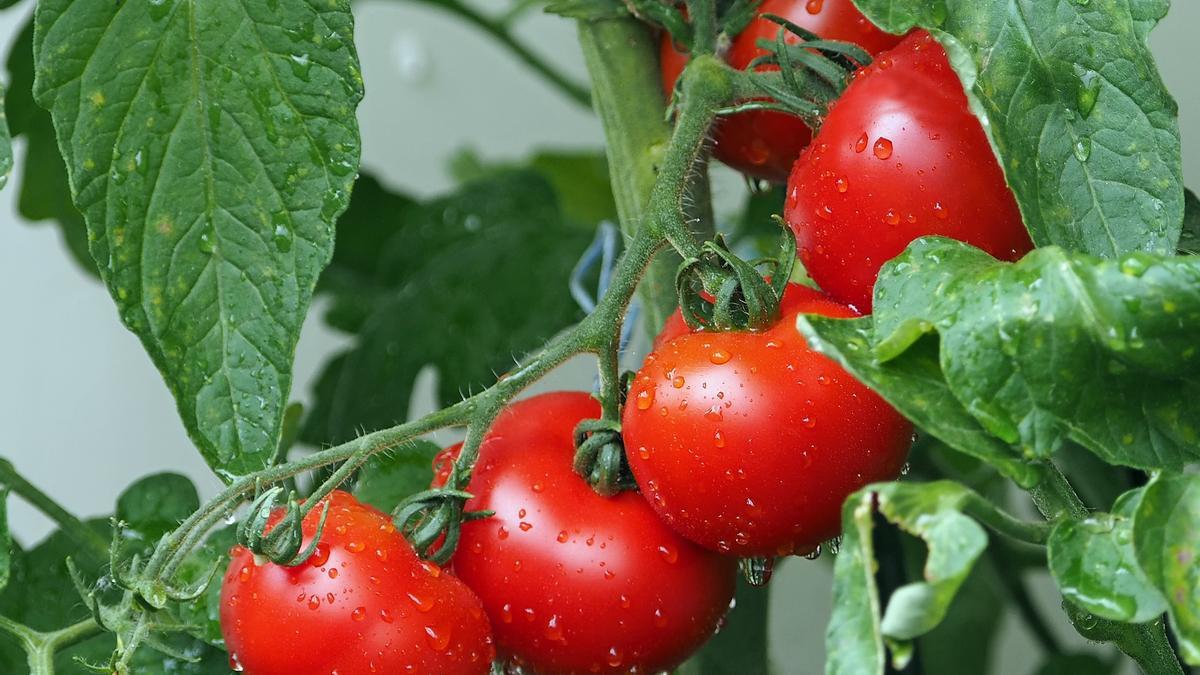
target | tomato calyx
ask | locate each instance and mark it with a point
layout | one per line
(719, 291)
(282, 542)
(432, 521)
(732, 17)
(600, 457)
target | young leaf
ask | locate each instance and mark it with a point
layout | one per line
(914, 384)
(388, 478)
(156, 504)
(1075, 108)
(932, 511)
(1166, 536)
(1094, 564)
(417, 301)
(1057, 346)
(210, 147)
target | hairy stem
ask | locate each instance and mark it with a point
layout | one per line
(40, 648)
(987, 513)
(499, 30)
(93, 545)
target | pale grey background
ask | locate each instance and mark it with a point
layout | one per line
(83, 412)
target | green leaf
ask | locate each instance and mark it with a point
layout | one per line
(1189, 240)
(1094, 564)
(589, 10)
(1056, 347)
(1166, 536)
(210, 147)
(388, 478)
(1075, 108)
(156, 504)
(913, 383)
(413, 295)
(857, 631)
(6, 544)
(740, 648)
(6, 151)
(1074, 664)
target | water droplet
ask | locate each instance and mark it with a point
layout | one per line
(841, 185)
(386, 616)
(939, 211)
(423, 604)
(677, 382)
(808, 422)
(757, 571)
(431, 569)
(891, 217)
(720, 356)
(234, 664)
(861, 143)
(824, 212)
(359, 613)
(537, 487)
(314, 602)
(506, 613)
(502, 532)
(668, 553)
(718, 439)
(814, 554)
(355, 546)
(660, 619)
(714, 414)
(883, 148)
(562, 537)
(814, 6)
(245, 573)
(643, 452)
(614, 657)
(207, 241)
(1089, 90)
(438, 639)
(553, 630)
(525, 527)
(301, 66)
(645, 399)
(1082, 149)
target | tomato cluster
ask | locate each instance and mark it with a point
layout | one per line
(742, 443)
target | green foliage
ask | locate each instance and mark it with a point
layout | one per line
(210, 155)
(1166, 536)
(1058, 346)
(388, 478)
(858, 629)
(465, 283)
(154, 505)
(1075, 108)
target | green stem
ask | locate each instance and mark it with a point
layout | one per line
(94, 545)
(986, 512)
(40, 648)
(499, 30)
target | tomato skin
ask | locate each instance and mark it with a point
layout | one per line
(748, 443)
(574, 582)
(899, 156)
(363, 603)
(765, 143)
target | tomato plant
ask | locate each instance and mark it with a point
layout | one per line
(363, 597)
(765, 143)
(572, 581)
(900, 156)
(748, 443)
(1003, 262)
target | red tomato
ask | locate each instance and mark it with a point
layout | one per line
(899, 157)
(363, 603)
(574, 582)
(748, 443)
(764, 144)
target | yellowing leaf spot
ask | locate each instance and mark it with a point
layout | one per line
(164, 225)
(97, 99)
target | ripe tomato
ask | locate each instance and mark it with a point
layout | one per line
(363, 603)
(765, 143)
(574, 582)
(748, 443)
(900, 156)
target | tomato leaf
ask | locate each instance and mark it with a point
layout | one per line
(1166, 536)
(1095, 566)
(1077, 112)
(156, 504)
(6, 150)
(1189, 240)
(388, 478)
(858, 630)
(410, 289)
(1057, 346)
(44, 190)
(210, 147)
(914, 384)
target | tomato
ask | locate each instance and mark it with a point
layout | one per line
(748, 442)
(574, 582)
(765, 143)
(363, 603)
(900, 156)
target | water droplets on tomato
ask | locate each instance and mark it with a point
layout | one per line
(423, 604)
(359, 613)
(939, 211)
(882, 148)
(431, 569)
(714, 414)
(502, 532)
(668, 553)
(506, 613)
(234, 664)
(354, 546)
(891, 217)
(643, 452)
(554, 632)
(245, 573)
(645, 399)
(320, 555)
(841, 184)
(720, 356)
(719, 439)
(525, 527)
(333, 573)
(861, 143)
(314, 602)
(814, 6)
(439, 639)
(614, 657)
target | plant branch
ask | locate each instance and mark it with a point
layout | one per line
(40, 648)
(989, 514)
(94, 545)
(499, 30)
